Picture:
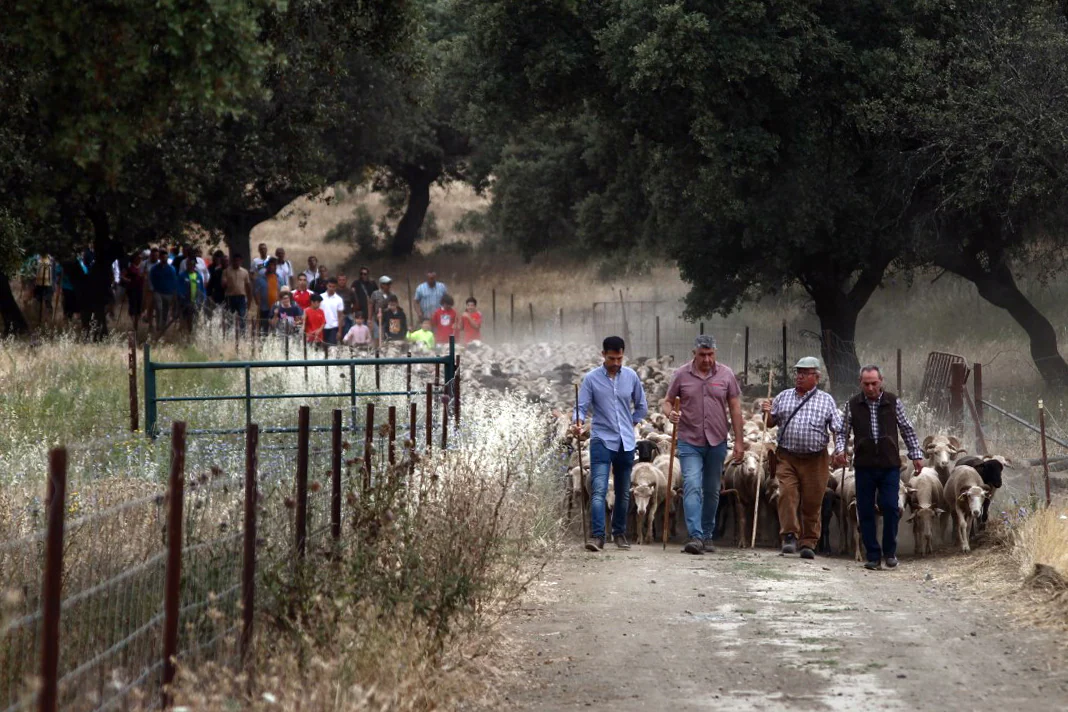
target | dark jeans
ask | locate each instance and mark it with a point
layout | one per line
(330, 336)
(878, 486)
(621, 462)
(239, 306)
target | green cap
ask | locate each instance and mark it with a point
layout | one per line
(808, 362)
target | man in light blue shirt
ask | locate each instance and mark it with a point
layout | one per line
(428, 297)
(617, 398)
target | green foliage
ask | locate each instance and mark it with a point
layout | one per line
(360, 232)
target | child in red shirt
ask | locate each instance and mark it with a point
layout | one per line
(471, 321)
(444, 320)
(314, 320)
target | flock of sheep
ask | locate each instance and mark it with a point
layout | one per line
(952, 486)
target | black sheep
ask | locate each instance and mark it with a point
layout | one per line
(647, 450)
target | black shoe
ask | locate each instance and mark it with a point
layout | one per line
(872, 566)
(789, 544)
(891, 562)
(694, 546)
(807, 553)
(621, 541)
(595, 545)
(710, 548)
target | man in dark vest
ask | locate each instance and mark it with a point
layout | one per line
(877, 417)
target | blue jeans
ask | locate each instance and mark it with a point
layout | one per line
(621, 463)
(876, 485)
(702, 468)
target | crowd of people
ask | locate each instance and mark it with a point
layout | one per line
(163, 287)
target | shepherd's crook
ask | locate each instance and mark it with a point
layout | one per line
(760, 466)
(582, 475)
(671, 469)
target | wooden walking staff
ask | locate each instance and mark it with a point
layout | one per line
(760, 464)
(582, 476)
(671, 471)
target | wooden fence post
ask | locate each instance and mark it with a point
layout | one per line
(52, 579)
(378, 371)
(335, 476)
(173, 587)
(512, 316)
(493, 311)
(956, 397)
(408, 374)
(977, 384)
(248, 567)
(368, 445)
(626, 326)
(133, 382)
(561, 324)
(533, 330)
(303, 432)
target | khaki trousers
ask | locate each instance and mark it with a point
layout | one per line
(802, 480)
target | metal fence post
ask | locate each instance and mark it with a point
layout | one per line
(450, 363)
(52, 579)
(533, 330)
(378, 371)
(248, 568)
(658, 336)
(444, 424)
(303, 431)
(368, 444)
(408, 375)
(133, 382)
(150, 393)
(248, 396)
(785, 363)
(1045, 458)
(456, 393)
(412, 421)
(745, 372)
(429, 417)
(493, 307)
(977, 384)
(352, 397)
(512, 315)
(392, 414)
(900, 385)
(335, 476)
(173, 589)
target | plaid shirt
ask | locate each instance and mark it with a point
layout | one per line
(904, 426)
(807, 432)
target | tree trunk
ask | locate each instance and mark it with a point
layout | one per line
(419, 182)
(239, 235)
(998, 286)
(10, 312)
(838, 328)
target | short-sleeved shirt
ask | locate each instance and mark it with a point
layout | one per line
(429, 298)
(472, 326)
(807, 431)
(302, 297)
(314, 319)
(333, 307)
(359, 335)
(703, 402)
(444, 323)
(287, 316)
(379, 300)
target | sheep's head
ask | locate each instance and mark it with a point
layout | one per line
(941, 451)
(643, 494)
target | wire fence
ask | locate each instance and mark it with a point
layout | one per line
(102, 603)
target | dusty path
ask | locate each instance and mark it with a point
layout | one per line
(645, 630)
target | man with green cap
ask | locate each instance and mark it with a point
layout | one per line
(804, 415)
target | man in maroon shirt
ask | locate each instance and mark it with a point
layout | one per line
(706, 390)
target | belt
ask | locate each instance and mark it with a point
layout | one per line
(802, 455)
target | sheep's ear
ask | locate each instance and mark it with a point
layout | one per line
(954, 442)
(963, 492)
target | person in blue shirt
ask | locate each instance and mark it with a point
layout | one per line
(615, 394)
(164, 281)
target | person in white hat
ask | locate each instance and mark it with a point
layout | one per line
(379, 302)
(804, 415)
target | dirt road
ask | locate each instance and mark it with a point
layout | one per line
(648, 630)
